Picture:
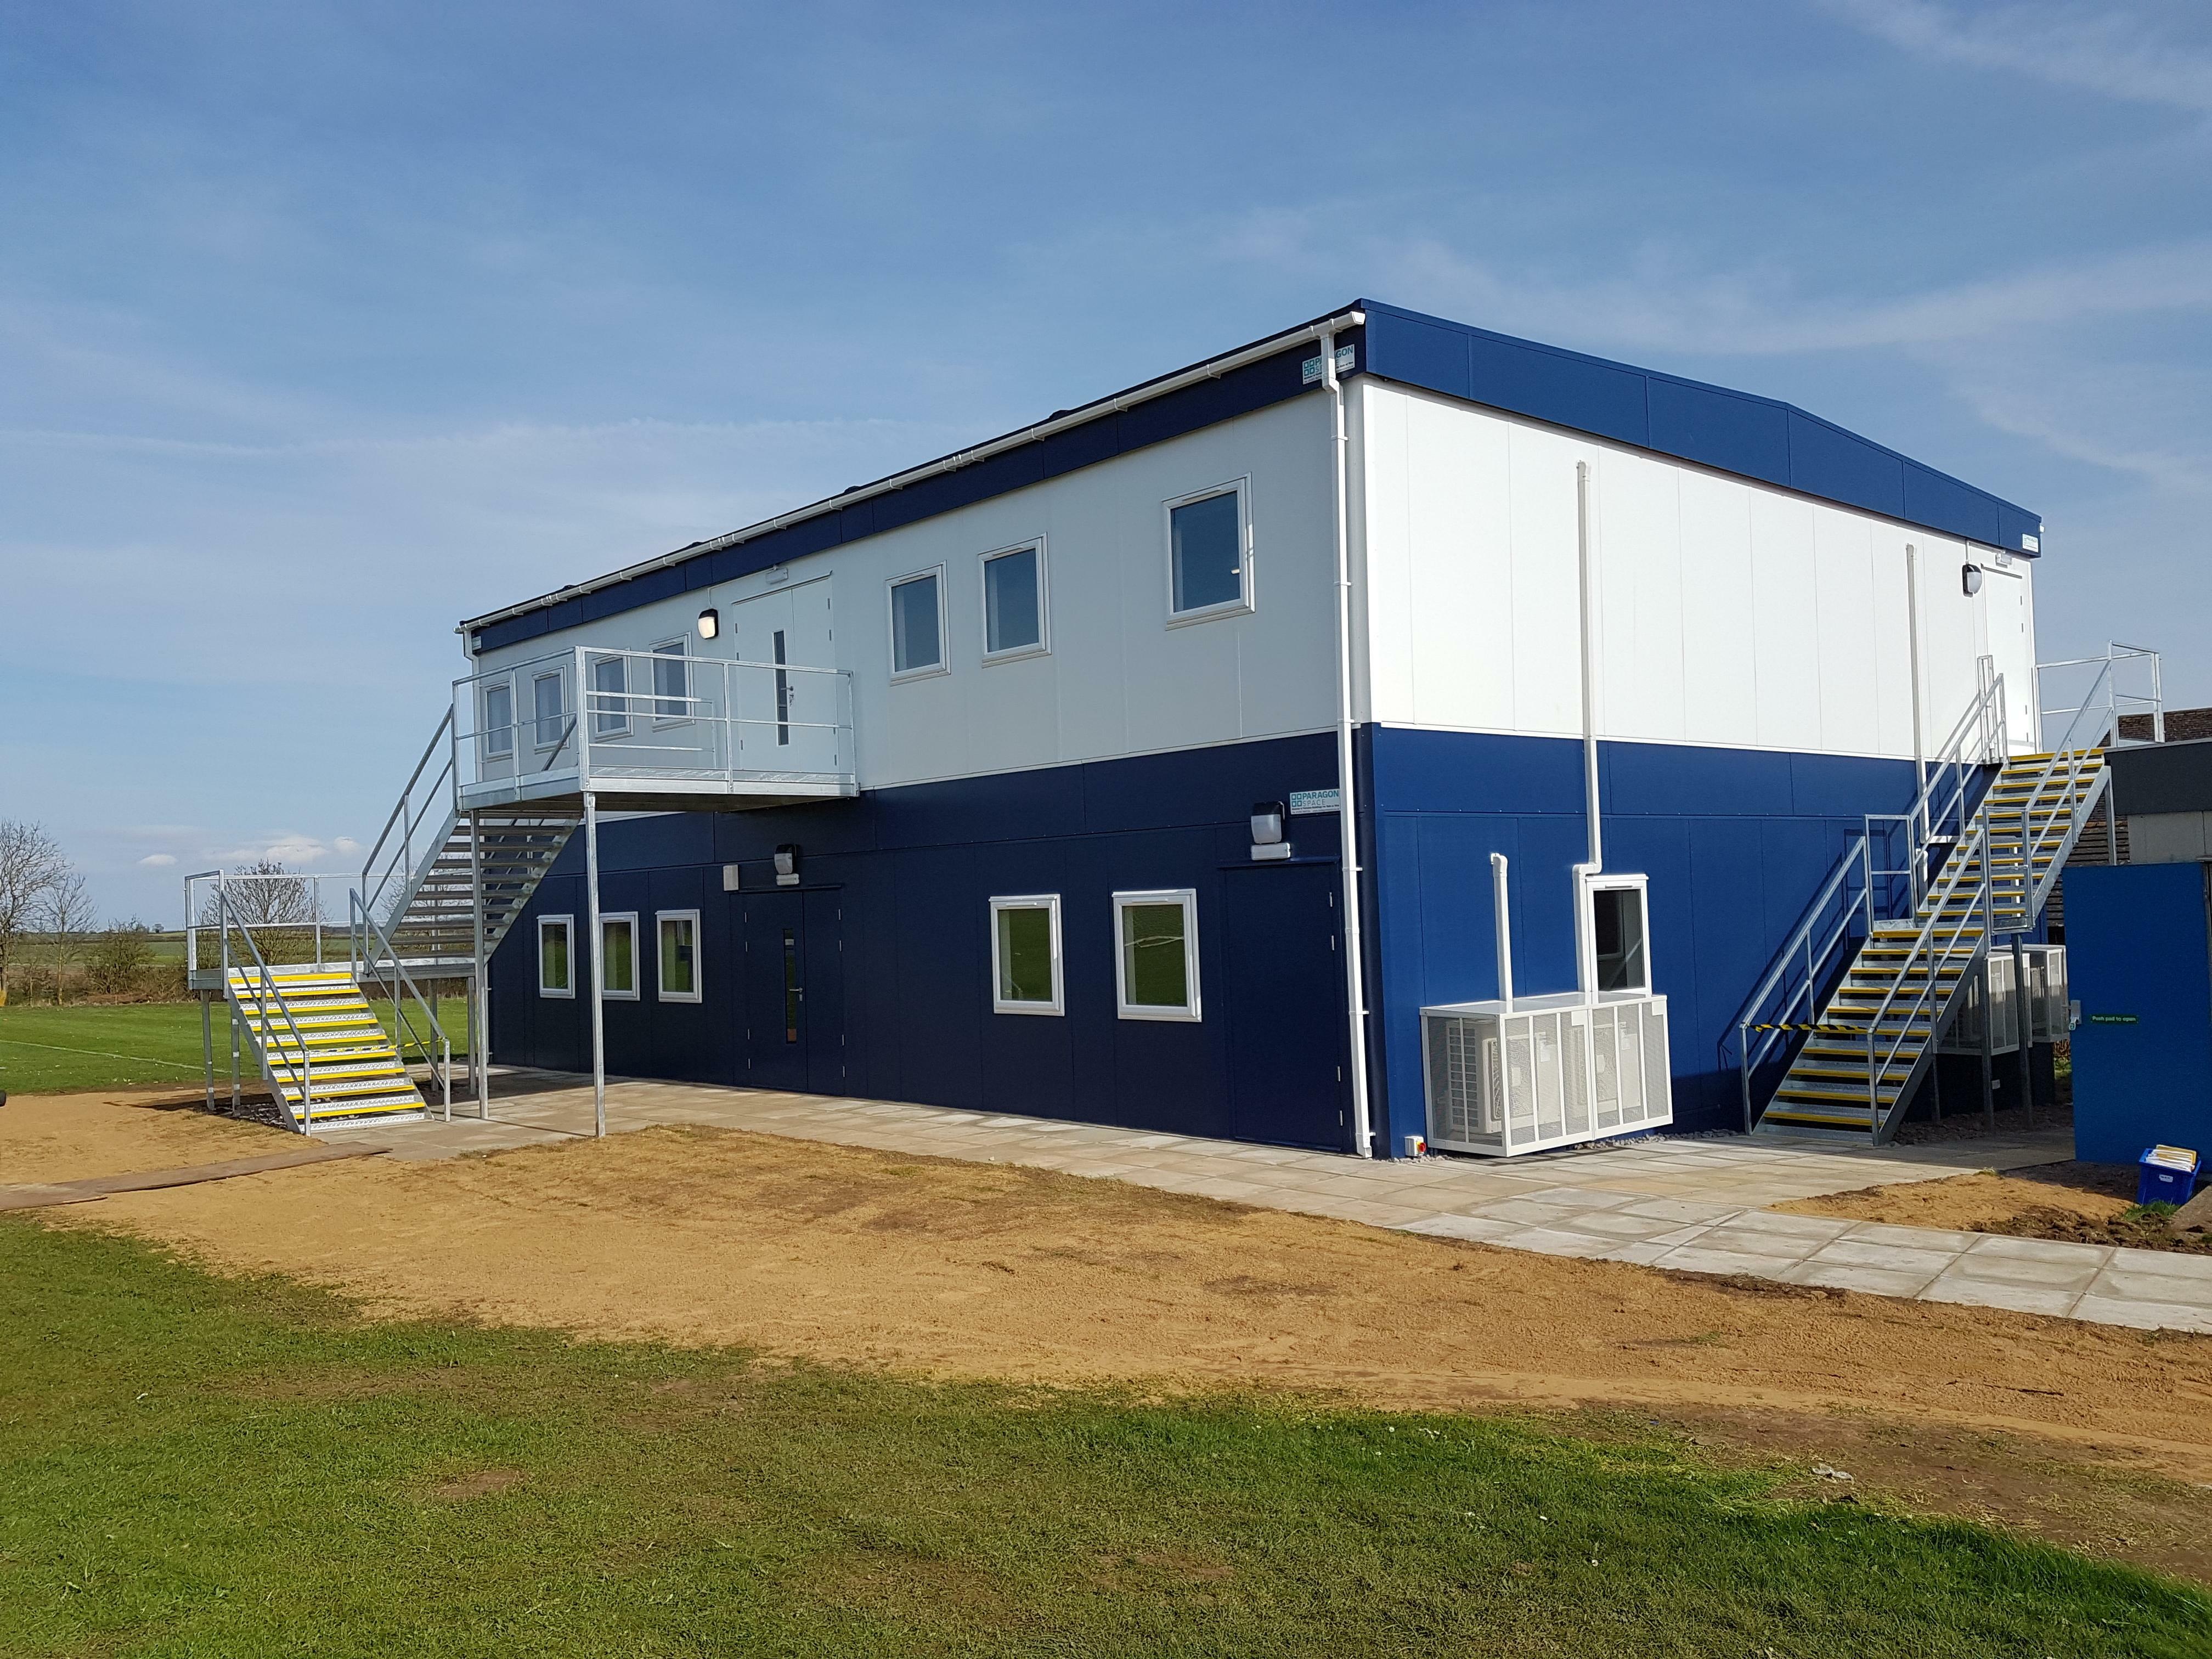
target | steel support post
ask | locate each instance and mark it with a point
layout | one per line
(207, 1041)
(598, 963)
(480, 987)
(2019, 1022)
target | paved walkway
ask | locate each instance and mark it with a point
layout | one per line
(1698, 1204)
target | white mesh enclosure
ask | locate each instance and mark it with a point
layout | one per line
(1554, 1072)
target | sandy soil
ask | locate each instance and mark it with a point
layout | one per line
(853, 1257)
(2082, 1202)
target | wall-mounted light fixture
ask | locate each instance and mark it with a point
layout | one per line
(787, 865)
(710, 623)
(1970, 578)
(1268, 841)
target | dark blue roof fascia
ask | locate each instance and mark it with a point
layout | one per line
(1732, 431)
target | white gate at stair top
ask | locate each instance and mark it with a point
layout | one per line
(788, 719)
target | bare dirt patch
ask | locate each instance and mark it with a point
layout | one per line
(476, 1483)
(850, 1257)
(2083, 1203)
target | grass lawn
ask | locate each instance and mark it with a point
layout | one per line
(49, 1050)
(199, 1466)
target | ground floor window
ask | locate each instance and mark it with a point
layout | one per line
(553, 972)
(1617, 934)
(618, 957)
(1025, 955)
(680, 955)
(1156, 964)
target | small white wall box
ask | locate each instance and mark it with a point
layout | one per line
(1556, 1071)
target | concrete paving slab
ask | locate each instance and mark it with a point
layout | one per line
(1856, 1252)
(1546, 1241)
(1476, 1228)
(2143, 1316)
(1707, 1257)
(1848, 1276)
(1992, 1293)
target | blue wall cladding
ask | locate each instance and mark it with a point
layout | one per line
(1735, 843)
(1733, 431)
(910, 871)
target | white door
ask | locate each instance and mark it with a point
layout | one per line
(789, 700)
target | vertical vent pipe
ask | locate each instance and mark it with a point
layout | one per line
(1585, 921)
(1501, 894)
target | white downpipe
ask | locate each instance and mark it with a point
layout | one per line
(1501, 896)
(598, 963)
(1347, 814)
(1912, 641)
(1585, 941)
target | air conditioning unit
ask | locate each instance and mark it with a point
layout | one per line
(2046, 1003)
(1553, 1071)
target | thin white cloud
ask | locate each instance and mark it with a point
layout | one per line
(158, 860)
(2103, 48)
(1764, 313)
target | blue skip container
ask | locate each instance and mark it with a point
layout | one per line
(2167, 1174)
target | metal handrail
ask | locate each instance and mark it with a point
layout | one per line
(441, 1069)
(1972, 852)
(2069, 762)
(1975, 740)
(262, 988)
(2115, 654)
(406, 819)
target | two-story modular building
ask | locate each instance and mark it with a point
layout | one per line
(1147, 766)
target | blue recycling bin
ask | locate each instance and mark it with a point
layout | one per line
(2165, 1174)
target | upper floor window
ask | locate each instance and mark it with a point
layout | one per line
(546, 703)
(499, 719)
(918, 623)
(1014, 601)
(1209, 566)
(610, 697)
(671, 680)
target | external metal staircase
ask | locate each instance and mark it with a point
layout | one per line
(325, 1056)
(1839, 1036)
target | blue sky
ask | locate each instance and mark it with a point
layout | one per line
(323, 326)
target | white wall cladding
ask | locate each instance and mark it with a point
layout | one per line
(1118, 680)
(1728, 612)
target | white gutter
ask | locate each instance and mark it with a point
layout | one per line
(1213, 369)
(1585, 940)
(1347, 800)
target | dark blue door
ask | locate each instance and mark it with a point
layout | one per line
(1287, 1082)
(792, 1005)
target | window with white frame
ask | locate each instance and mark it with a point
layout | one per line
(556, 967)
(1209, 557)
(547, 703)
(1156, 954)
(1014, 603)
(1026, 976)
(671, 680)
(678, 933)
(1618, 935)
(610, 697)
(499, 719)
(918, 623)
(618, 957)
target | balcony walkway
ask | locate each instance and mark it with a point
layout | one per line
(1695, 1205)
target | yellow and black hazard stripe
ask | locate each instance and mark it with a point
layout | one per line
(1817, 1025)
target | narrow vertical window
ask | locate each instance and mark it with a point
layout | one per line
(680, 955)
(918, 623)
(671, 680)
(794, 992)
(499, 719)
(782, 693)
(1156, 958)
(547, 704)
(1014, 602)
(1025, 970)
(1208, 570)
(553, 968)
(1617, 932)
(610, 697)
(618, 957)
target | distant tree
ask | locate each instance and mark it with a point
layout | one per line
(31, 862)
(68, 916)
(273, 895)
(120, 957)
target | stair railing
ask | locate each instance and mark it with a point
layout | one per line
(262, 986)
(392, 859)
(1837, 922)
(2074, 776)
(1941, 938)
(440, 1061)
